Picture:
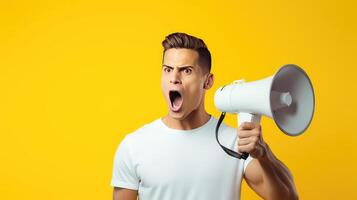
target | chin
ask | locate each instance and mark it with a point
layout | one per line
(177, 115)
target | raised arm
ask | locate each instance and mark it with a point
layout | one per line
(265, 174)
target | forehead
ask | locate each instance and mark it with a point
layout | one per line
(178, 57)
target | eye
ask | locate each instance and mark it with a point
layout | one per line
(188, 71)
(166, 69)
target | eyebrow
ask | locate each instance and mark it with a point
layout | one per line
(182, 67)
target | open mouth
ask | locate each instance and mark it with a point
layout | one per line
(175, 100)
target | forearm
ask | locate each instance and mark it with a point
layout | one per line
(278, 181)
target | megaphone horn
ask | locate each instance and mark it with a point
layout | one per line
(287, 97)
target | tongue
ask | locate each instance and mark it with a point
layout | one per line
(177, 103)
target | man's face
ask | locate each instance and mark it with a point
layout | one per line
(182, 81)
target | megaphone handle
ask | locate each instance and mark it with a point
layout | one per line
(247, 117)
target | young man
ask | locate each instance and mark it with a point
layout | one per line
(176, 157)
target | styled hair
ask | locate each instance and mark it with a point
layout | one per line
(183, 40)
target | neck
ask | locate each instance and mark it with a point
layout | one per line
(193, 120)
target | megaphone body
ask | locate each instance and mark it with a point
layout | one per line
(287, 97)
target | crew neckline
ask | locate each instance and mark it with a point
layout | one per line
(190, 131)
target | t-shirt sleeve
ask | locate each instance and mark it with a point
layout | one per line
(124, 174)
(246, 162)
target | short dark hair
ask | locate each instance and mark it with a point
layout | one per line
(183, 40)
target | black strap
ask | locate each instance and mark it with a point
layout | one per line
(230, 152)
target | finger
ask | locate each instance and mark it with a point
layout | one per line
(247, 126)
(246, 148)
(248, 133)
(244, 141)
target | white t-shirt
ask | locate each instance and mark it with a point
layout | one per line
(170, 164)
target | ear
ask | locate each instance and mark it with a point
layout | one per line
(209, 81)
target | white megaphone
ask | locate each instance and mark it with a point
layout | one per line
(287, 97)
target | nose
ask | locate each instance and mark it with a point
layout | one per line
(175, 77)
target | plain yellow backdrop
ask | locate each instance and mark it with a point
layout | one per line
(77, 76)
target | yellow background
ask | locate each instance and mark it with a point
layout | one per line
(77, 76)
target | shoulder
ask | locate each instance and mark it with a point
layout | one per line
(227, 134)
(227, 130)
(136, 139)
(144, 132)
